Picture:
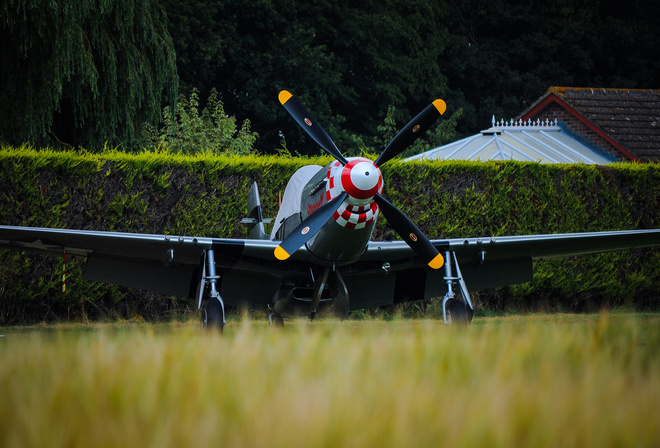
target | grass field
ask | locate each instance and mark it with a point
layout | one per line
(541, 380)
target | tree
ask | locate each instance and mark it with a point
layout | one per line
(199, 42)
(347, 63)
(83, 72)
(505, 54)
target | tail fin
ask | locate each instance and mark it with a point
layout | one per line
(255, 220)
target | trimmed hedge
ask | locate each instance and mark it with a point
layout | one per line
(205, 195)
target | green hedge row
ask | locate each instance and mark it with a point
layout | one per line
(205, 195)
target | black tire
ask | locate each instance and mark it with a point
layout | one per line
(275, 320)
(212, 317)
(457, 313)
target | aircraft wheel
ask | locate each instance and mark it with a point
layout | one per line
(457, 313)
(275, 320)
(470, 314)
(212, 315)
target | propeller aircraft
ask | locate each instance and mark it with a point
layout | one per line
(320, 254)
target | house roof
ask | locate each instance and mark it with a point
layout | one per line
(626, 118)
(530, 142)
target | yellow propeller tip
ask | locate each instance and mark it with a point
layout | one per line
(440, 105)
(437, 262)
(284, 96)
(281, 254)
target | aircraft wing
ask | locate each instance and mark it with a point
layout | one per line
(83, 243)
(555, 245)
(163, 263)
(489, 262)
(526, 246)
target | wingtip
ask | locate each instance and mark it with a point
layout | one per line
(284, 96)
(281, 254)
(437, 262)
(440, 105)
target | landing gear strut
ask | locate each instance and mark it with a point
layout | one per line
(341, 302)
(213, 308)
(319, 283)
(454, 311)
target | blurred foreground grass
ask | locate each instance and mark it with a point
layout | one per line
(546, 380)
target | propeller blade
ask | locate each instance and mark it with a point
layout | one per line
(413, 130)
(310, 125)
(410, 233)
(308, 228)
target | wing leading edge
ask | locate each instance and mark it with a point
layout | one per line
(136, 246)
(498, 261)
(554, 245)
(162, 263)
(504, 248)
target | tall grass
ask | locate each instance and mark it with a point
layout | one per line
(520, 381)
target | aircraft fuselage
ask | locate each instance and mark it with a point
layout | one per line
(344, 237)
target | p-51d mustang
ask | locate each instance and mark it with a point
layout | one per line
(319, 253)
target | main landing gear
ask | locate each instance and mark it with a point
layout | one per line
(213, 308)
(454, 311)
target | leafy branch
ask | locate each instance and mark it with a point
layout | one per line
(187, 131)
